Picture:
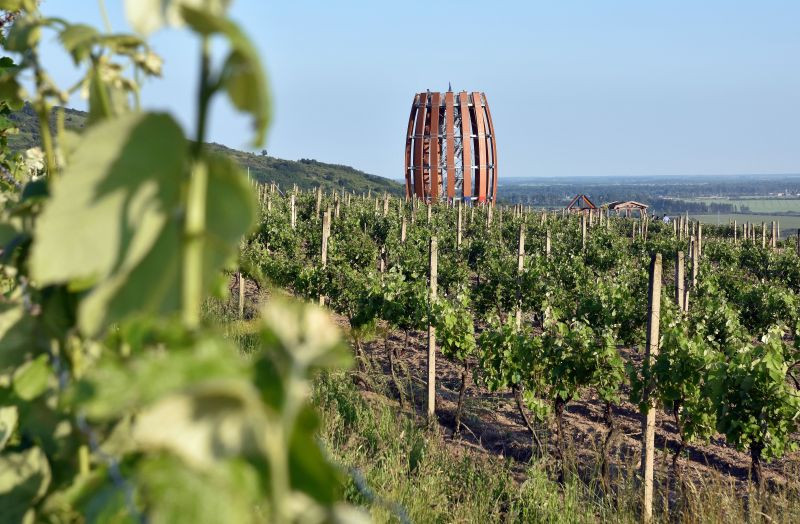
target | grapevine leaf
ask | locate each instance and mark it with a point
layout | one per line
(8, 423)
(77, 40)
(11, 5)
(147, 16)
(32, 378)
(24, 478)
(212, 422)
(176, 494)
(23, 35)
(116, 201)
(308, 468)
(305, 334)
(115, 386)
(16, 331)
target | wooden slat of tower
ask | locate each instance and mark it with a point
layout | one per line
(466, 134)
(419, 132)
(409, 138)
(449, 124)
(490, 126)
(434, 156)
(481, 181)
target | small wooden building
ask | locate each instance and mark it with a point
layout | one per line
(580, 204)
(627, 207)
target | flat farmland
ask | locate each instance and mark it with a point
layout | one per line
(789, 224)
(756, 205)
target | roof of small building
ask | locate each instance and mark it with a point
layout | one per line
(626, 204)
(581, 202)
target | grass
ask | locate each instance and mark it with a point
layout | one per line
(403, 471)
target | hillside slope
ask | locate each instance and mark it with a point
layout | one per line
(307, 174)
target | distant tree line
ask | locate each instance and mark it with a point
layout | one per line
(663, 197)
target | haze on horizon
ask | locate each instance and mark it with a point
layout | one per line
(576, 87)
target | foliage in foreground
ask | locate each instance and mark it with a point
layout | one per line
(117, 402)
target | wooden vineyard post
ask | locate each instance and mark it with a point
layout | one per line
(690, 286)
(293, 212)
(679, 280)
(798, 242)
(385, 204)
(547, 245)
(695, 264)
(633, 230)
(240, 285)
(403, 230)
(734, 232)
(699, 240)
(458, 227)
(763, 235)
(772, 242)
(429, 212)
(649, 414)
(326, 231)
(583, 232)
(433, 274)
(337, 207)
(520, 267)
(319, 202)
(471, 214)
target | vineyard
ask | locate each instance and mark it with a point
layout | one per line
(550, 312)
(164, 359)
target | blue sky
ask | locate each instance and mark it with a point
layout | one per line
(592, 87)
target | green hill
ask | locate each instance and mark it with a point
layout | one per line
(28, 124)
(307, 174)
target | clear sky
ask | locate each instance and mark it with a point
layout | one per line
(592, 87)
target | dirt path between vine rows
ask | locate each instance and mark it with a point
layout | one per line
(494, 426)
